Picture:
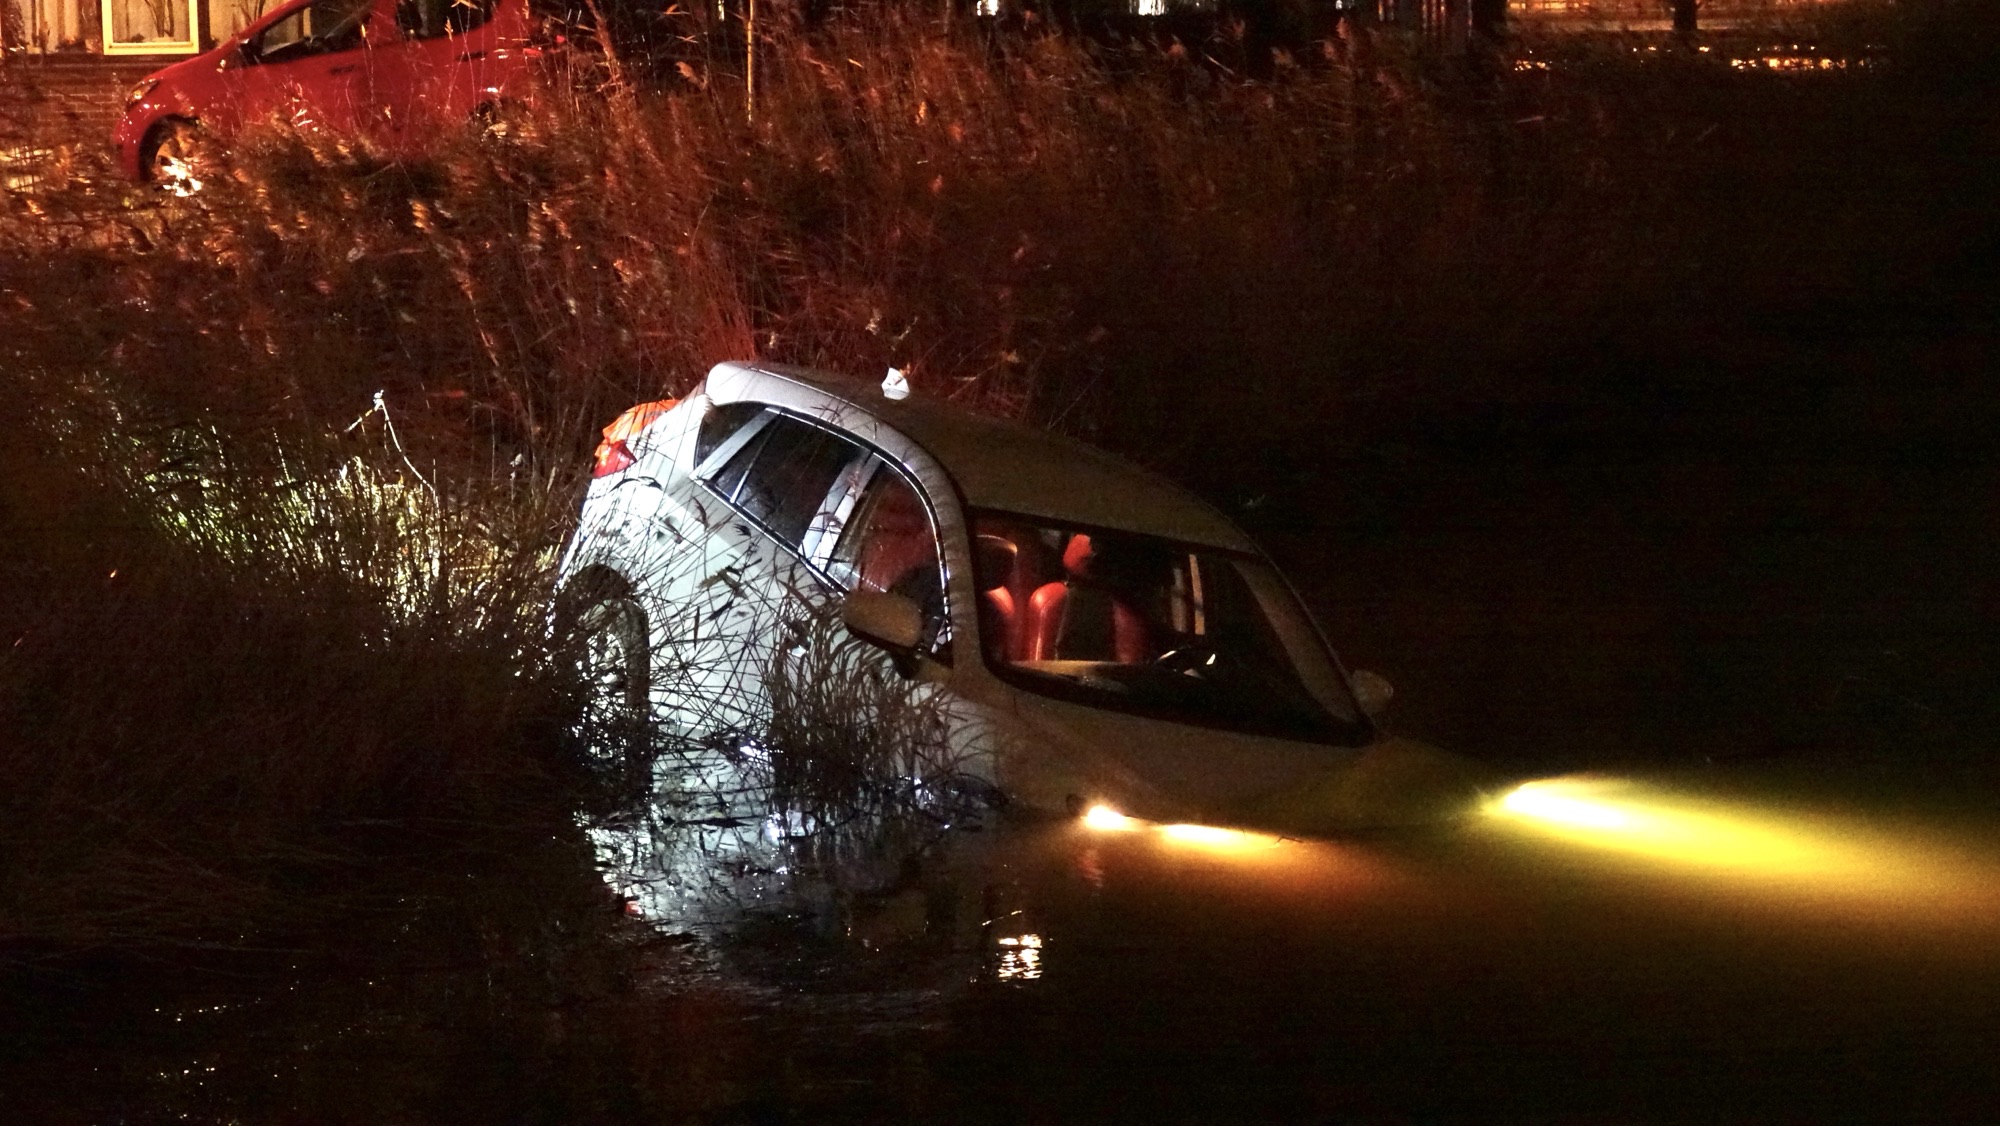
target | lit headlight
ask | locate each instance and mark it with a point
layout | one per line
(145, 87)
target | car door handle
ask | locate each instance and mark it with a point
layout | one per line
(348, 69)
(469, 56)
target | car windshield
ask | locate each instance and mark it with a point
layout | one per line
(1147, 625)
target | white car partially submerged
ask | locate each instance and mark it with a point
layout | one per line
(1092, 636)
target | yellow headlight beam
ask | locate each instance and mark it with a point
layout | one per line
(1206, 835)
(1104, 819)
(1623, 817)
(1540, 801)
(1820, 855)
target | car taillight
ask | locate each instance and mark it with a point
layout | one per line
(611, 457)
(613, 454)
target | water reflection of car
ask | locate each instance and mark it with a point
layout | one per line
(392, 70)
(1092, 634)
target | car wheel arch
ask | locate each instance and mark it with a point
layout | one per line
(156, 136)
(592, 583)
(599, 629)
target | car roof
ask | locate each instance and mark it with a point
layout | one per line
(995, 463)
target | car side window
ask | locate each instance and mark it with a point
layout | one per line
(729, 479)
(317, 29)
(889, 545)
(429, 19)
(720, 424)
(782, 478)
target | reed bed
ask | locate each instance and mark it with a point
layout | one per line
(1012, 218)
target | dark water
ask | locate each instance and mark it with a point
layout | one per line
(1683, 558)
(1743, 941)
(1504, 972)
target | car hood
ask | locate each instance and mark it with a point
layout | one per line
(1394, 783)
(196, 64)
(1164, 771)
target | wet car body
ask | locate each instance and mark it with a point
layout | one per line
(395, 71)
(723, 527)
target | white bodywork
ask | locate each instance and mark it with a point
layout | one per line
(729, 608)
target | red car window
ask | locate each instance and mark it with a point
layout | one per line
(323, 28)
(428, 19)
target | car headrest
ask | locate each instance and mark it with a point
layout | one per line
(996, 557)
(1077, 556)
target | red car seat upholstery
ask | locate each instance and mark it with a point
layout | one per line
(1079, 619)
(997, 568)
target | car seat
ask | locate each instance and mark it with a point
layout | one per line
(997, 568)
(1079, 618)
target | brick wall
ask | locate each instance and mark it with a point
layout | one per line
(49, 100)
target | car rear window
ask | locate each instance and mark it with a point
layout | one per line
(719, 423)
(782, 478)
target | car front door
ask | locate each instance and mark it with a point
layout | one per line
(911, 718)
(881, 537)
(448, 61)
(313, 67)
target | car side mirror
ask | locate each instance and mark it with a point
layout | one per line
(890, 621)
(233, 59)
(1372, 691)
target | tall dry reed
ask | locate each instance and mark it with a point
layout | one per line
(1012, 218)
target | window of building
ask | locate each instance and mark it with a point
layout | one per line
(150, 26)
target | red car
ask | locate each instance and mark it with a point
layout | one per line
(393, 70)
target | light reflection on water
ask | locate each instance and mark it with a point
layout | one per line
(704, 875)
(1797, 59)
(1164, 940)
(1737, 53)
(1127, 943)
(1020, 957)
(1107, 929)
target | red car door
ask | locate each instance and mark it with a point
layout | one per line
(456, 56)
(314, 67)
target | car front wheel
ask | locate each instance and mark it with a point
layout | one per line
(173, 154)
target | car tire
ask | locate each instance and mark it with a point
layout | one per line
(172, 151)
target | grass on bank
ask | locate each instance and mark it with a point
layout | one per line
(232, 680)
